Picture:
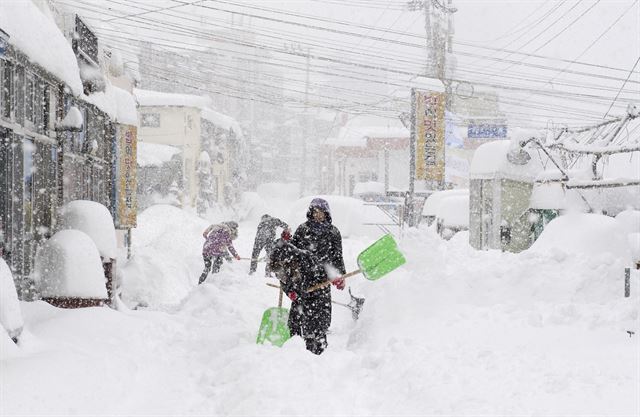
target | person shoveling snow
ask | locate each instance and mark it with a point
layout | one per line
(217, 246)
(310, 314)
(265, 237)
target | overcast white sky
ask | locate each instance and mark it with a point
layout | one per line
(603, 33)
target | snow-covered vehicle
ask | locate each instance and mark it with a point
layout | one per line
(452, 215)
(432, 203)
(10, 315)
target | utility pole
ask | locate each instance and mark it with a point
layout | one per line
(303, 173)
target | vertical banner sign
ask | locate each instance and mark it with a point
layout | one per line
(430, 128)
(125, 176)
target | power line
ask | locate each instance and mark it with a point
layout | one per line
(621, 87)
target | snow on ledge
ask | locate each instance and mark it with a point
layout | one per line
(490, 161)
(158, 98)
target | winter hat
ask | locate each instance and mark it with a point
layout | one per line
(233, 228)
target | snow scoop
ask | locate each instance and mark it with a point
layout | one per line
(355, 305)
(374, 262)
(274, 327)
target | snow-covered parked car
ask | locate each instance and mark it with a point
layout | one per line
(432, 203)
(68, 271)
(452, 215)
(10, 314)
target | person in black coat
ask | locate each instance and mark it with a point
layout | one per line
(310, 313)
(265, 236)
(320, 237)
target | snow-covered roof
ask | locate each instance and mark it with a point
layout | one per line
(356, 131)
(490, 161)
(553, 196)
(454, 210)
(433, 202)
(68, 265)
(221, 120)
(153, 154)
(158, 98)
(119, 104)
(37, 36)
(93, 219)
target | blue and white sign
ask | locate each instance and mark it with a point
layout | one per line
(4, 44)
(486, 131)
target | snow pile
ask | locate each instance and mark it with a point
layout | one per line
(37, 36)
(158, 98)
(93, 219)
(595, 237)
(454, 211)
(350, 215)
(73, 119)
(153, 154)
(10, 314)
(68, 265)
(167, 257)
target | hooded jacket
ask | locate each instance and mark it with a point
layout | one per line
(219, 240)
(322, 240)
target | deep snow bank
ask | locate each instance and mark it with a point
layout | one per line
(167, 247)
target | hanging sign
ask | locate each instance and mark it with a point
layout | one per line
(429, 130)
(125, 177)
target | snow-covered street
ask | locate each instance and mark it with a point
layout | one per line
(454, 332)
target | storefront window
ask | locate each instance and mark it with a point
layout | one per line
(5, 89)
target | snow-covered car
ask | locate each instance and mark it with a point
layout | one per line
(10, 314)
(432, 203)
(452, 215)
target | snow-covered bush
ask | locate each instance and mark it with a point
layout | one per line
(68, 265)
(10, 314)
(94, 220)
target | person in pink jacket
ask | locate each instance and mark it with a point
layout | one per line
(217, 246)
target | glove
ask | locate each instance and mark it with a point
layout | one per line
(237, 257)
(339, 283)
(292, 295)
(286, 234)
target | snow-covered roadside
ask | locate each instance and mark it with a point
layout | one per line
(453, 332)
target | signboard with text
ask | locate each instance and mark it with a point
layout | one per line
(486, 131)
(430, 131)
(125, 177)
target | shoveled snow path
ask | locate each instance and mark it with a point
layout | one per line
(454, 332)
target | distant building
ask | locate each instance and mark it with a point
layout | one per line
(209, 143)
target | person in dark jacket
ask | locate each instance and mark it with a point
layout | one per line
(320, 237)
(310, 313)
(217, 246)
(265, 237)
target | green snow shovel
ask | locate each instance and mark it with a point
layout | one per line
(274, 327)
(374, 262)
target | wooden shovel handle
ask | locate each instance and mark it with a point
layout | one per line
(329, 282)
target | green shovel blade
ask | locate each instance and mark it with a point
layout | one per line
(274, 327)
(380, 258)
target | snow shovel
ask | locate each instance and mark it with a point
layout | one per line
(355, 305)
(274, 327)
(374, 262)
